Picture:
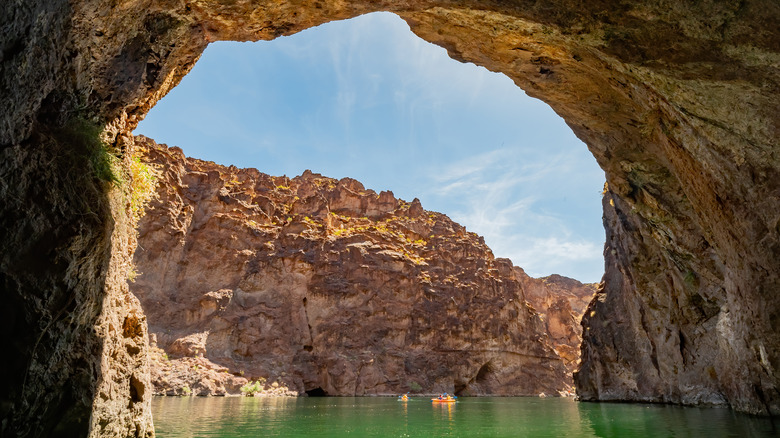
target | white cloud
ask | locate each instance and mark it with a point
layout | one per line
(368, 96)
(542, 256)
(500, 196)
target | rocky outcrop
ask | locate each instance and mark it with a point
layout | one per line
(74, 343)
(561, 302)
(678, 102)
(326, 287)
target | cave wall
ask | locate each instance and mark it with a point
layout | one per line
(678, 102)
(75, 339)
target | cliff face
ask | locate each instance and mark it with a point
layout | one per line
(561, 302)
(678, 102)
(322, 285)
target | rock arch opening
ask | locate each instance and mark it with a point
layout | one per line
(678, 105)
(365, 98)
(371, 101)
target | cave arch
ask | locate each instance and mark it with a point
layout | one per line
(413, 118)
(677, 102)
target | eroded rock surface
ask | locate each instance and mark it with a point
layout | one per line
(678, 101)
(75, 339)
(561, 302)
(321, 284)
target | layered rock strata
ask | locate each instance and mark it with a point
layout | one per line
(678, 102)
(326, 287)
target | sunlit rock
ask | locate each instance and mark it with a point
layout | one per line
(678, 102)
(406, 301)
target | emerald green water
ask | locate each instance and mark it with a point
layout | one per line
(470, 417)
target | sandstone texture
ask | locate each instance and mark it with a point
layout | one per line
(326, 287)
(678, 101)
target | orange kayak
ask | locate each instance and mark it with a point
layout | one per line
(444, 400)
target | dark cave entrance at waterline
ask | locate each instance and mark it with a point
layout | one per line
(316, 392)
(483, 374)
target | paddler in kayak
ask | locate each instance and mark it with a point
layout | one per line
(444, 398)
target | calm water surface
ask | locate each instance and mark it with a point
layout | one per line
(470, 417)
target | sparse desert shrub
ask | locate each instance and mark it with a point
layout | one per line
(253, 387)
(143, 186)
(132, 274)
(83, 141)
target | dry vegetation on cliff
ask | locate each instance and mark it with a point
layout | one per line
(321, 284)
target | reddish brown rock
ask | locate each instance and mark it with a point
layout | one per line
(191, 374)
(323, 285)
(561, 302)
(678, 102)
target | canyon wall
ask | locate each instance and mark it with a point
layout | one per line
(323, 286)
(561, 302)
(678, 102)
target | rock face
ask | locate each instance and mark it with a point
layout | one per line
(326, 287)
(561, 301)
(75, 341)
(678, 102)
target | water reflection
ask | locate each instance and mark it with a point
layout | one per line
(470, 417)
(646, 420)
(443, 418)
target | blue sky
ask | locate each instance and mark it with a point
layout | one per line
(368, 99)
